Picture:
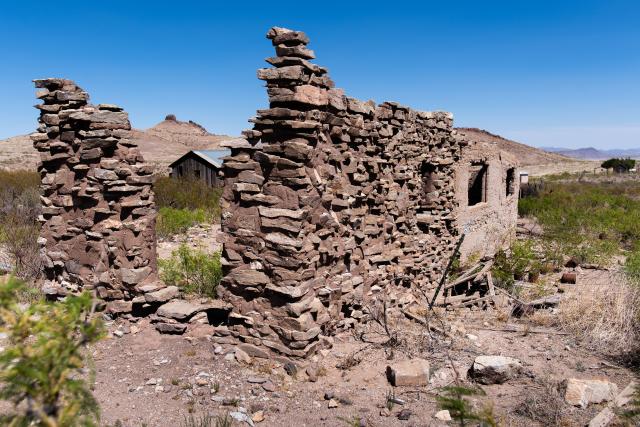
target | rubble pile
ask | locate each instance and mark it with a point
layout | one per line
(331, 202)
(98, 212)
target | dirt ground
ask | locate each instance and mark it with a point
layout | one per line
(202, 237)
(144, 378)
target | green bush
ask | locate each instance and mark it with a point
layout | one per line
(515, 264)
(183, 203)
(619, 165)
(41, 370)
(632, 265)
(187, 193)
(175, 221)
(586, 220)
(193, 270)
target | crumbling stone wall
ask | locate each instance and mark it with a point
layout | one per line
(331, 202)
(491, 224)
(98, 214)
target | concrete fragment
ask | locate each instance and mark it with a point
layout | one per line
(414, 372)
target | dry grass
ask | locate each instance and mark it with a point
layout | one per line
(543, 403)
(606, 317)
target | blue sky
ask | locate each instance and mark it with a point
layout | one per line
(547, 73)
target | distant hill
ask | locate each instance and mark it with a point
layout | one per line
(591, 153)
(160, 144)
(525, 154)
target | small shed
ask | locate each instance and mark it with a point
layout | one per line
(205, 165)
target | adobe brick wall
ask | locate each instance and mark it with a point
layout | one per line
(491, 224)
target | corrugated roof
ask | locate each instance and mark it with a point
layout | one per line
(213, 157)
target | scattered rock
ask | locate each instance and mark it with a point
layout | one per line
(256, 380)
(178, 309)
(404, 415)
(254, 351)
(242, 357)
(568, 278)
(171, 328)
(495, 369)
(242, 417)
(333, 403)
(258, 417)
(162, 295)
(413, 372)
(581, 393)
(269, 387)
(291, 369)
(312, 372)
(442, 415)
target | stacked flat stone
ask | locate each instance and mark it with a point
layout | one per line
(331, 202)
(98, 214)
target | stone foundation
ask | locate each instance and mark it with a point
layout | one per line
(330, 203)
(98, 214)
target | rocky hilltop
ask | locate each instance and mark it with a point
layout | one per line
(160, 144)
(525, 154)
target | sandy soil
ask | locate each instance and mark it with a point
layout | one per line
(145, 377)
(202, 237)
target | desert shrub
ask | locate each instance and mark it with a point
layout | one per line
(632, 415)
(19, 230)
(454, 400)
(19, 235)
(193, 270)
(175, 221)
(187, 193)
(606, 318)
(183, 203)
(586, 220)
(543, 403)
(41, 369)
(514, 263)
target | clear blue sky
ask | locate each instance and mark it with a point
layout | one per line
(548, 73)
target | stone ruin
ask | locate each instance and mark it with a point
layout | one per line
(331, 202)
(98, 210)
(330, 205)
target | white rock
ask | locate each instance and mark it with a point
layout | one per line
(443, 415)
(583, 392)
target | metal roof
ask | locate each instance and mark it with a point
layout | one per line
(213, 157)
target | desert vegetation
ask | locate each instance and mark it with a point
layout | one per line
(184, 202)
(194, 271)
(592, 223)
(42, 367)
(19, 210)
(619, 165)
